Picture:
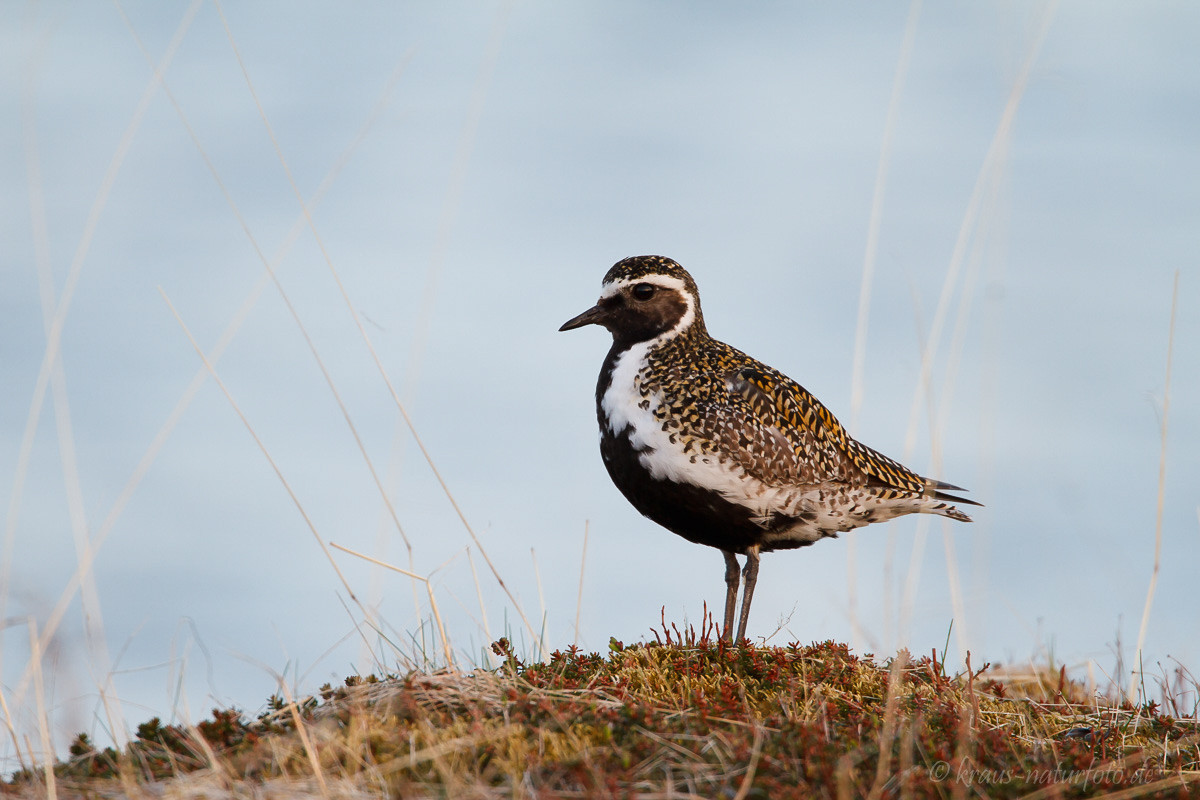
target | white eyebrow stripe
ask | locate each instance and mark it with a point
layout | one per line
(664, 281)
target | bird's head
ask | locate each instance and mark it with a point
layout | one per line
(643, 298)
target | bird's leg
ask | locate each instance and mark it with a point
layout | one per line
(732, 575)
(751, 576)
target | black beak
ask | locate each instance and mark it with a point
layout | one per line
(593, 316)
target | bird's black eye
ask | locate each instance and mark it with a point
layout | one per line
(643, 291)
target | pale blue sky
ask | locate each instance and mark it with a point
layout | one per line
(515, 152)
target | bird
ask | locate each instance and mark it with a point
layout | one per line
(722, 449)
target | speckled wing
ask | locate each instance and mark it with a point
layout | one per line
(818, 445)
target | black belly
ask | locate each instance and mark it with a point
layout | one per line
(698, 515)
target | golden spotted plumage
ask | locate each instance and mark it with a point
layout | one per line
(717, 400)
(722, 449)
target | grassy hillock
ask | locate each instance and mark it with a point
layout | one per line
(686, 716)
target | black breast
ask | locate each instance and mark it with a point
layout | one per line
(698, 515)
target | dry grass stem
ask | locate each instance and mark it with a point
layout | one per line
(858, 368)
(579, 595)
(54, 335)
(685, 716)
(356, 317)
(39, 691)
(266, 454)
(433, 606)
(1162, 485)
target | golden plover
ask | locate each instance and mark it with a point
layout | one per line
(720, 448)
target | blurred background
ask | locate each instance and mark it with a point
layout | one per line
(959, 226)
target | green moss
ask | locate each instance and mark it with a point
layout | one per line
(684, 714)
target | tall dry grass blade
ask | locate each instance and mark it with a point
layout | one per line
(283, 295)
(54, 336)
(752, 767)
(314, 759)
(164, 432)
(958, 609)
(981, 243)
(881, 172)
(448, 214)
(367, 648)
(964, 746)
(487, 628)
(37, 209)
(92, 613)
(966, 228)
(1162, 485)
(913, 576)
(271, 273)
(433, 606)
(54, 339)
(201, 745)
(868, 277)
(988, 172)
(537, 579)
(453, 502)
(10, 727)
(263, 448)
(843, 776)
(579, 596)
(367, 339)
(906, 759)
(227, 336)
(887, 733)
(39, 692)
(991, 334)
(415, 758)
